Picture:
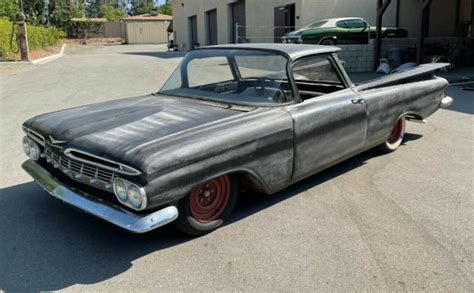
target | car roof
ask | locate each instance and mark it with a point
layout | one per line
(332, 21)
(293, 51)
(341, 18)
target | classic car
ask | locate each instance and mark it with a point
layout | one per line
(332, 31)
(258, 117)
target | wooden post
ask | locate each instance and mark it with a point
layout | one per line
(23, 41)
(420, 44)
(382, 5)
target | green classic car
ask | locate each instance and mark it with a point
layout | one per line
(332, 31)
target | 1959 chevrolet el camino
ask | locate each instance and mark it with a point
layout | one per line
(253, 116)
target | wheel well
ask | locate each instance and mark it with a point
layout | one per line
(412, 116)
(249, 181)
(334, 38)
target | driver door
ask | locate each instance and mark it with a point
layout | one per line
(358, 31)
(331, 121)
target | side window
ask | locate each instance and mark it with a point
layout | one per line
(355, 23)
(316, 76)
(219, 66)
(341, 24)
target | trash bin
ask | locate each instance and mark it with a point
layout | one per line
(395, 54)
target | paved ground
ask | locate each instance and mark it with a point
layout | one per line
(402, 221)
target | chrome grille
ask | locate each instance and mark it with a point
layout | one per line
(81, 172)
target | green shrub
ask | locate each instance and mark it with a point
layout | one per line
(111, 13)
(38, 37)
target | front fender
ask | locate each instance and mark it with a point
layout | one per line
(259, 144)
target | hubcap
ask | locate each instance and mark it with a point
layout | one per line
(209, 199)
(396, 132)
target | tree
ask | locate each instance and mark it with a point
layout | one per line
(62, 11)
(9, 8)
(34, 10)
(111, 13)
(141, 6)
(166, 9)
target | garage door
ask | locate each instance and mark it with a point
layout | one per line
(147, 32)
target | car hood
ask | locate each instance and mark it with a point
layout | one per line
(118, 129)
(294, 33)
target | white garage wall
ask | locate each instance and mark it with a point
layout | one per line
(142, 32)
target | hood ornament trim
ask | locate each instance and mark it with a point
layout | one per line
(55, 141)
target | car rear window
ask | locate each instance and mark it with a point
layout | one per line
(317, 24)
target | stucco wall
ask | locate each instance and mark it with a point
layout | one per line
(260, 16)
(317, 9)
(186, 8)
(442, 16)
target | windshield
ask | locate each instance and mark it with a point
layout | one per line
(239, 76)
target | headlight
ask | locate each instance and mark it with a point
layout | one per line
(26, 146)
(130, 194)
(31, 148)
(135, 197)
(120, 190)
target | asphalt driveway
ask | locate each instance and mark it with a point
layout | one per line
(402, 221)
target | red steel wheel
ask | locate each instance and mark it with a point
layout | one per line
(209, 199)
(396, 131)
(395, 138)
(208, 205)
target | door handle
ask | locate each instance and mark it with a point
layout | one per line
(358, 101)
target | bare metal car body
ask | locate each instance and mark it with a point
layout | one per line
(169, 144)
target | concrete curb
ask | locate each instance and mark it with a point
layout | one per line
(37, 61)
(49, 58)
(14, 63)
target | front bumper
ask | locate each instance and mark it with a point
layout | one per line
(104, 210)
(291, 40)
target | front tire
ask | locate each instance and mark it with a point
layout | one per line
(328, 42)
(395, 138)
(208, 205)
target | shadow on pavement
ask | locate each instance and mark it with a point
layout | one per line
(411, 136)
(162, 55)
(46, 245)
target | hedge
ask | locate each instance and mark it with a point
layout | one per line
(38, 37)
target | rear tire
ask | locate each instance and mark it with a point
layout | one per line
(395, 138)
(208, 205)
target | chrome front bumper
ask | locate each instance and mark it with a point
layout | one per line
(104, 210)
